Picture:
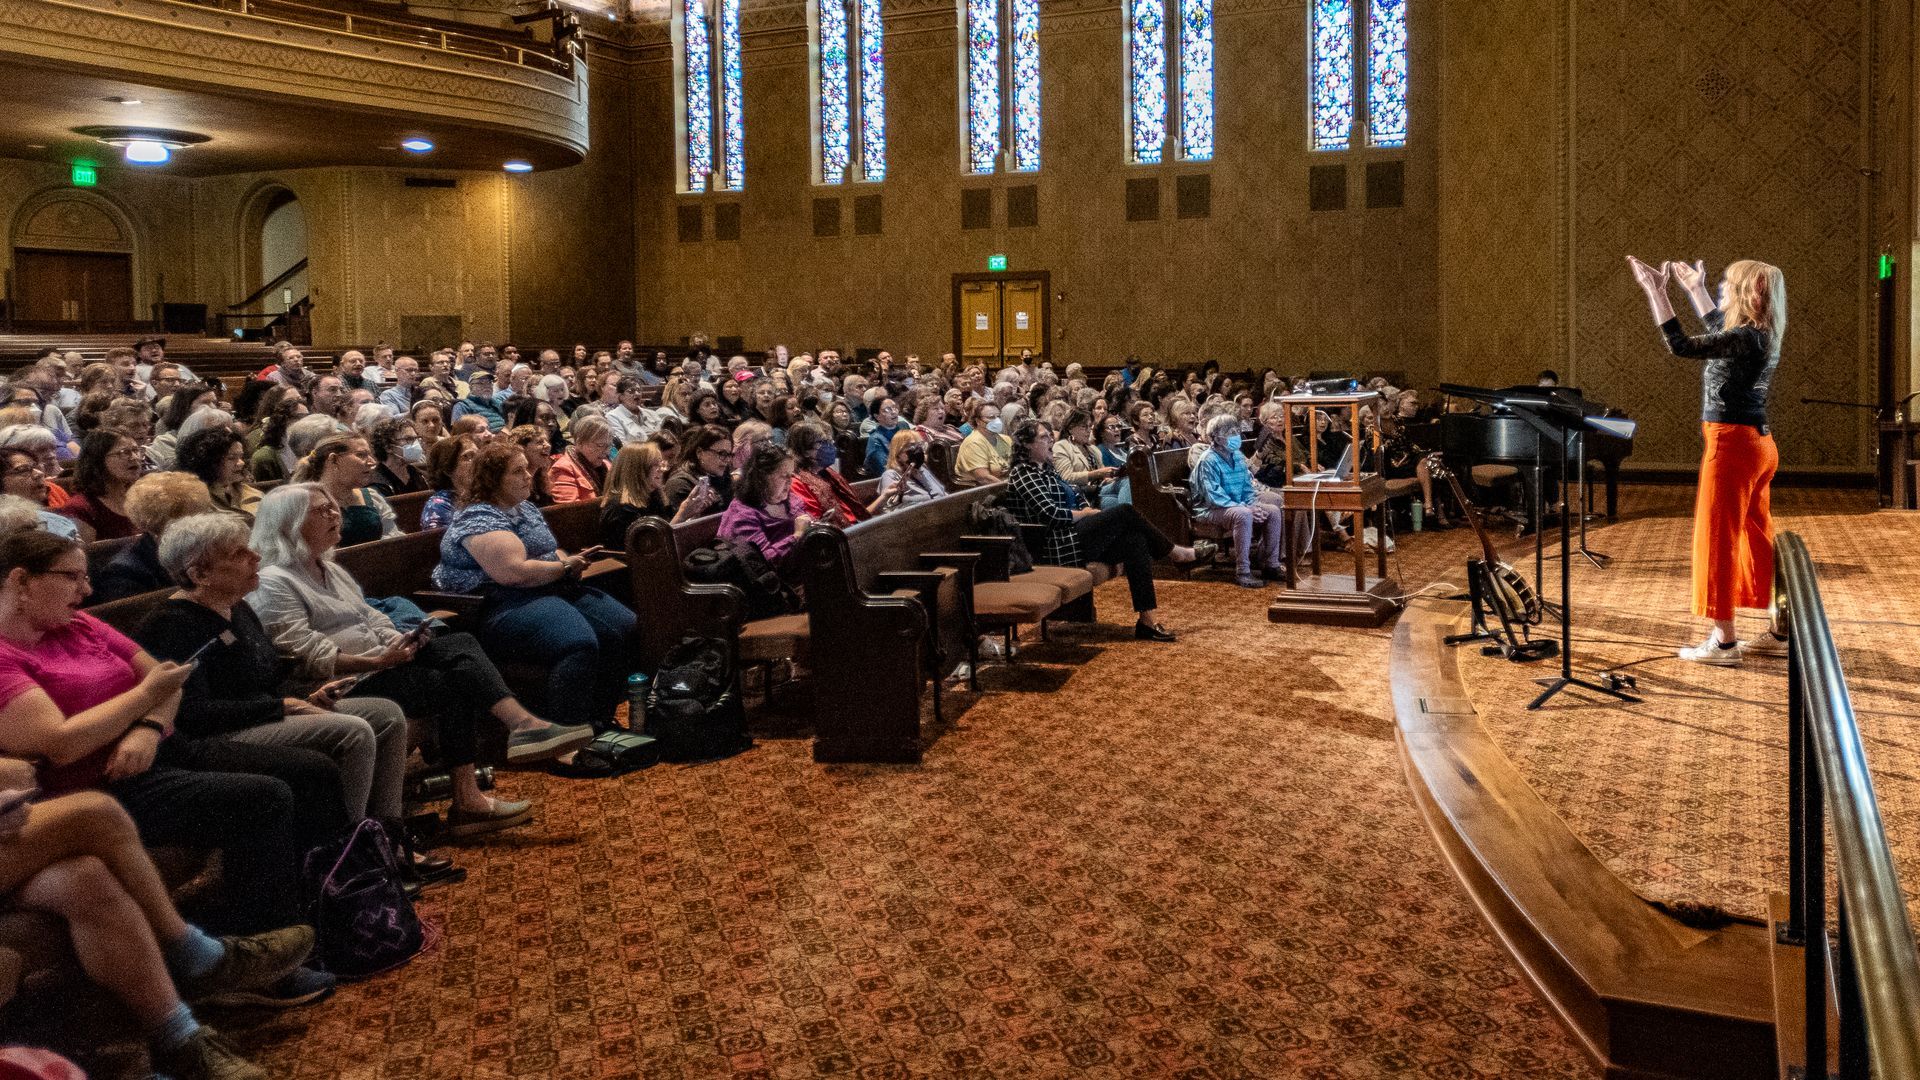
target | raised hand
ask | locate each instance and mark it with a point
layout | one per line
(1652, 279)
(1690, 276)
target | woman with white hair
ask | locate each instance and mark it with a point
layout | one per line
(317, 615)
(1223, 496)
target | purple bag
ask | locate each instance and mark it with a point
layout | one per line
(362, 918)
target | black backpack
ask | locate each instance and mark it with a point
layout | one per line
(692, 708)
(991, 517)
(737, 563)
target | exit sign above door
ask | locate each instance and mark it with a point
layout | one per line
(996, 262)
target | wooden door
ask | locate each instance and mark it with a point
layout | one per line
(1022, 316)
(979, 316)
(76, 289)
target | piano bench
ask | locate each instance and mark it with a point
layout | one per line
(1490, 475)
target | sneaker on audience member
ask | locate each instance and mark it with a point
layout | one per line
(303, 987)
(1765, 643)
(206, 1056)
(252, 962)
(544, 741)
(1713, 651)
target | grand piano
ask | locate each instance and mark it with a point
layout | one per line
(1496, 436)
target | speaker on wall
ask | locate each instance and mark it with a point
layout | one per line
(692, 225)
(1143, 198)
(1193, 195)
(866, 215)
(1386, 184)
(726, 221)
(976, 208)
(1327, 187)
(1023, 207)
(826, 217)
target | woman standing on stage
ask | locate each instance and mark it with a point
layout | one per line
(1732, 521)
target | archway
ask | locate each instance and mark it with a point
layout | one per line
(72, 258)
(273, 251)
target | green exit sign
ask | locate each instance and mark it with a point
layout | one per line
(996, 262)
(84, 174)
(1886, 267)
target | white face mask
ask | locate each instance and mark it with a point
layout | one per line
(413, 453)
(826, 397)
(995, 426)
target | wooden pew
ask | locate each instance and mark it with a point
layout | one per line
(102, 552)
(1159, 485)
(408, 507)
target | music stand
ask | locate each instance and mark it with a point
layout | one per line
(1561, 418)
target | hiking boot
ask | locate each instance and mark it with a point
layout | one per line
(253, 961)
(206, 1056)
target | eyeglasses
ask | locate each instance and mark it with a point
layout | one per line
(132, 453)
(325, 510)
(26, 470)
(75, 576)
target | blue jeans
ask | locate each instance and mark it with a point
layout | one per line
(582, 640)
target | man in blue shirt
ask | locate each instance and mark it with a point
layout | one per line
(480, 401)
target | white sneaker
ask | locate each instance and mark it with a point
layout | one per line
(1372, 539)
(1712, 652)
(1765, 644)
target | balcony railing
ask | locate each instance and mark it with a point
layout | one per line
(504, 46)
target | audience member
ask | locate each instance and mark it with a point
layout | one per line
(907, 479)
(819, 491)
(396, 447)
(1222, 494)
(218, 457)
(449, 469)
(21, 476)
(704, 468)
(108, 465)
(344, 465)
(762, 512)
(986, 453)
(154, 502)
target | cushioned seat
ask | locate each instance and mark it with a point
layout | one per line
(783, 637)
(1001, 603)
(1489, 475)
(1405, 485)
(1072, 581)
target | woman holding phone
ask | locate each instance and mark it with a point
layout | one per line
(317, 615)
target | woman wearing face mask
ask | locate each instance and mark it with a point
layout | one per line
(397, 446)
(819, 490)
(908, 480)
(1222, 492)
(985, 455)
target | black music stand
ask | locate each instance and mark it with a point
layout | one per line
(1560, 418)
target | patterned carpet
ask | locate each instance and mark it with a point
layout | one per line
(1125, 860)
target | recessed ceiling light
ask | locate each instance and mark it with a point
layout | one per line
(118, 100)
(416, 146)
(144, 146)
(518, 166)
(147, 152)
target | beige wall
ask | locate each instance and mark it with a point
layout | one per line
(1262, 281)
(1575, 134)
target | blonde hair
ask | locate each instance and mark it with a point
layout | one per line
(903, 440)
(628, 480)
(1757, 297)
(157, 499)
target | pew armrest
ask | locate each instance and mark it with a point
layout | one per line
(462, 605)
(995, 556)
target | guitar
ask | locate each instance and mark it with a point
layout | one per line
(1510, 592)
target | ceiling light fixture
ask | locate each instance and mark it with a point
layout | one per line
(416, 146)
(518, 166)
(143, 146)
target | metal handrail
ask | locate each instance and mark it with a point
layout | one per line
(1878, 978)
(556, 57)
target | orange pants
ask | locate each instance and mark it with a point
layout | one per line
(1733, 521)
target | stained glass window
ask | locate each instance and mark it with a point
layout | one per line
(1196, 79)
(873, 92)
(697, 58)
(836, 132)
(1025, 46)
(1387, 73)
(733, 126)
(983, 84)
(1331, 74)
(1147, 66)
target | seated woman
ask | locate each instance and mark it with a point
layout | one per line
(396, 446)
(1077, 535)
(218, 457)
(429, 421)
(343, 464)
(1181, 414)
(930, 420)
(78, 858)
(635, 489)
(984, 455)
(108, 465)
(268, 462)
(185, 401)
(1114, 450)
(39, 441)
(234, 690)
(449, 470)
(887, 422)
(580, 474)
(704, 408)
(908, 480)
(1223, 496)
(534, 605)
(317, 615)
(155, 501)
(1078, 460)
(705, 465)
(762, 512)
(98, 712)
(21, 475)
(538, 444)
(819, 491)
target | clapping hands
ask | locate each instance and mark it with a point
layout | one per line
(1652, 279)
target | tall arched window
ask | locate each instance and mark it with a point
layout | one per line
(703, 99)
(1150, 75)
(850, 88)
(1335, 68)
(1001, 39)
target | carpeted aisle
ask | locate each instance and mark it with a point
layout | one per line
(1196, 860)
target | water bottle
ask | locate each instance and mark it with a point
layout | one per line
(1419, 512)
(637, 685)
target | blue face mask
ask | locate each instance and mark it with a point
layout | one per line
(1233, 443)
(825, 455)
(995, 426)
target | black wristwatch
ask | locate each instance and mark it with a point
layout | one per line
(150, 723)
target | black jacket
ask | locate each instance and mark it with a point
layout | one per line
(237, 682)
(134, 571)
(1738, 373)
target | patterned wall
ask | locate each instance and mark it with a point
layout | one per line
(1262, 281)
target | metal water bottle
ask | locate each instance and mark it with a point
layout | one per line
(1419, 512)
(637, 686)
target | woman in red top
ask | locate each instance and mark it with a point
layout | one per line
(819, 491)
(108, 465)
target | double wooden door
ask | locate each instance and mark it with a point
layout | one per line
(77, 290)
(997, 315)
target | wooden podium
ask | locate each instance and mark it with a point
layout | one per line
(1337, 599)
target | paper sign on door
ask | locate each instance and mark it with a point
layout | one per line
(1019, 320)
(979, 321)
